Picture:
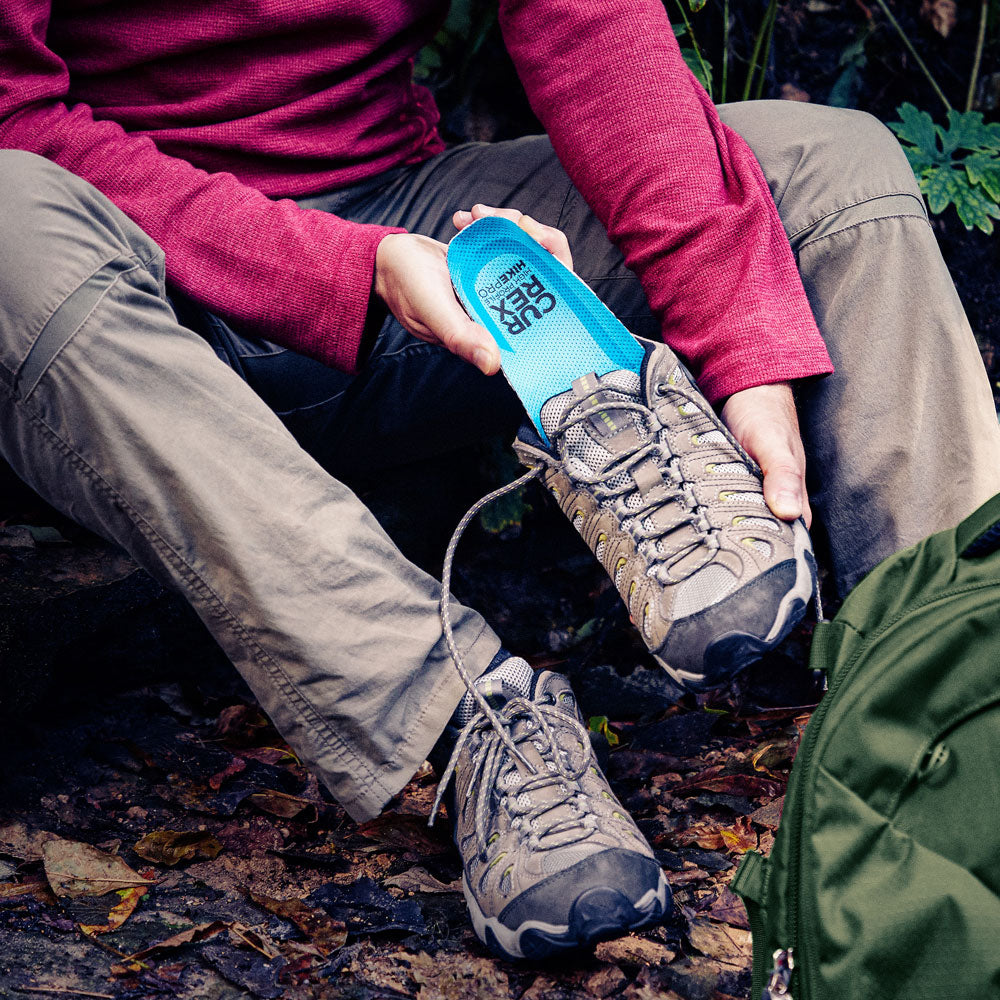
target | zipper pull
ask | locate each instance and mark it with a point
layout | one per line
(781, 974)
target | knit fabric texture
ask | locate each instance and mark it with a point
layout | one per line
(200, 119)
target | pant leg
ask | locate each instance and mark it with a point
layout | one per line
(127, 421)
(903, 439)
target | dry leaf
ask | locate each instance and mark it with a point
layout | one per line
(407, 833)
(789, 92)
(418, 879)
(728, 945)
(633, 951)
(769, 814)
(941, 15)
(326, 934)
(457, 977)
(193, 935)
(118, 913)
(17, 841)
(739, 837)
(170, 847)
(75, 869)
(280, 803)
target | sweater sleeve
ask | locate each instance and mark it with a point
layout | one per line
(680, 193)
(299, 277)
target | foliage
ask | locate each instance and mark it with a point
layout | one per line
(599, 724)
(959, 166)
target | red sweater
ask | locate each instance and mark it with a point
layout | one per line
(201, 118)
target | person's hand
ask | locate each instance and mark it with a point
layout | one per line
(411, 278)
(554, 240)
(764, 421)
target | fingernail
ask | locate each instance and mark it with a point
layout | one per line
(482, 359)
(788, 502)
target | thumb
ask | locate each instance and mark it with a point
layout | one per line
(785, 488)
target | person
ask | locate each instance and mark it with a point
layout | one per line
(223, 294)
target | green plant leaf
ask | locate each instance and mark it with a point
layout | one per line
(967, 131)
(703, 73)
(918, 128)
(696, 5)
(948, 185)
(599, 724)
(984, 169)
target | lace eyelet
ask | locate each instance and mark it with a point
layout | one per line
(660, 389)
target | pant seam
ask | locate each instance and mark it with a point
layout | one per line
(855, 204)
(855, 225)
(306, 711)
(83, 321)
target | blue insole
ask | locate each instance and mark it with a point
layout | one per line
(550, 327)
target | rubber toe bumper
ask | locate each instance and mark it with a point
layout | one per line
(602, 896)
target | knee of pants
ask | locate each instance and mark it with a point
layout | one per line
(848, 158)
(58, 231)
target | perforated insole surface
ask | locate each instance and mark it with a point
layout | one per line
(550, 327)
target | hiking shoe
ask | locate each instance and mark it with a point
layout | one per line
(550, 859)
(674, 509)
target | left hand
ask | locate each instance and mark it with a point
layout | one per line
(764, 421)
(551, 238)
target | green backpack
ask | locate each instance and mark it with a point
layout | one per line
(884, 879)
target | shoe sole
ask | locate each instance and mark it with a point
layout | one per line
(733, 651)
(550, 327)
(600, 913)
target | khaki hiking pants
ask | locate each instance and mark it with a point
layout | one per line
(208, 455)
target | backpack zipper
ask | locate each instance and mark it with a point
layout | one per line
(781, 974)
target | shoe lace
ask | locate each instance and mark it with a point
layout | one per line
(497, 737)
(613, 482)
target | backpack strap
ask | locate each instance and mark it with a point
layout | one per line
(979, 534)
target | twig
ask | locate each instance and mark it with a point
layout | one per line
(63, 992)
(916, 55)
(771, 12)
(694, 42)
(725, 50)
(980, 41)
(767, 53)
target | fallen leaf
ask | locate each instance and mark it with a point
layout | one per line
(769, 814)
(728, 908)
(170, 847)
(751, 786)
(633, 951)
(76, 869)
(11, 890)
(941, 15)
(448, 976)
(193, 935)
(17, 841)
(418, 879)
(217, 780)
(713, 837)
(241, 725)
(408, 833)
(325, 933)
(728, 945)
(366, 908)
(281, 803)
(118, 913)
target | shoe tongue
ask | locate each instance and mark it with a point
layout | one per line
(605, 430)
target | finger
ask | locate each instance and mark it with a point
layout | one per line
(468, 340)
(461, 219)
(554, 240)
(784, 489)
